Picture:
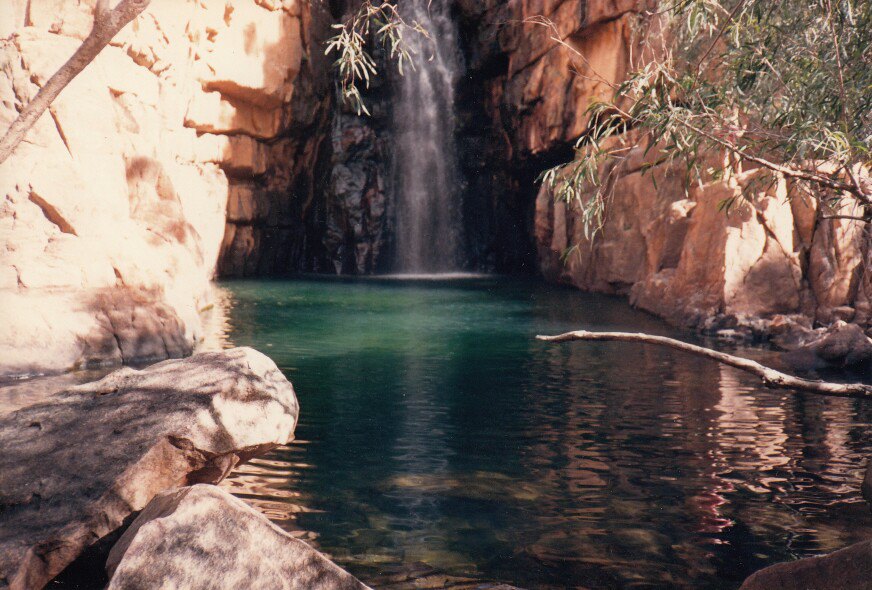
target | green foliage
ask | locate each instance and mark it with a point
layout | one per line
(382, 22)
(784, 86)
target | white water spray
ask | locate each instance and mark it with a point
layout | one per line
(426, 180)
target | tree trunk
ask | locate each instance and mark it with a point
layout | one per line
(771, 377)
(107, 23)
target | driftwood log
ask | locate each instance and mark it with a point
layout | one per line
(771, 377)
(107, 22)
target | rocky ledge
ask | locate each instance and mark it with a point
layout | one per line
(75, 467)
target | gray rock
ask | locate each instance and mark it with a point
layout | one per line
(847, 569)
(841, 345)
(203, 538)
(76, 465)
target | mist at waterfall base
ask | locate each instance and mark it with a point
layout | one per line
(426, 182)
(435, 431)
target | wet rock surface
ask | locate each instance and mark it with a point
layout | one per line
(356, 237)
(76, 465)
(202, 537)
(847, 569)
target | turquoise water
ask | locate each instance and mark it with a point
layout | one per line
(437, 435)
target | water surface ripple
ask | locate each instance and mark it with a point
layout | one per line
(435, 431)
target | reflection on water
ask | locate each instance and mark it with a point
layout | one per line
(435, 432)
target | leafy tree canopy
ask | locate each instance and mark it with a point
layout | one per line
(781, 86)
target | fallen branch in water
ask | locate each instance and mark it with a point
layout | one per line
(771, 377)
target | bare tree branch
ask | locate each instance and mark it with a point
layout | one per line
(107, 23)
(771, 377)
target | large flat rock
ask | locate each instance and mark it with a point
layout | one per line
(847, 569)
(202, 538)
(75, 466)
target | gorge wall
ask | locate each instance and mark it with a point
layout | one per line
(671, 251)
(208, 140)
(114, 206)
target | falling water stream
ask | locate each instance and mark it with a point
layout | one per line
(425, 166)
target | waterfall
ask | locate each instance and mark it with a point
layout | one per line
(425, 171)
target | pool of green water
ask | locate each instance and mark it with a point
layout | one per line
(436, 434)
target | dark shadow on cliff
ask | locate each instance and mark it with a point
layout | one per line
(276, 218)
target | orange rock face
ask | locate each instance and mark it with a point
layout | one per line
(683, 258)
(672, 251)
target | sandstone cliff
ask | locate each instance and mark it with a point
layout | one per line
(114, 206)
(206, 138)
(673, 253)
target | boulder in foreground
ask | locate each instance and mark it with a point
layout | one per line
(74, 467)
(203, 538)
(847, 569)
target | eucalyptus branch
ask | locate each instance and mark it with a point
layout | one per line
(717, 37)
(789, 95)
(788, 171)
(354, 63)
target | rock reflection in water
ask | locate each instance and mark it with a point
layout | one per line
(435, 433)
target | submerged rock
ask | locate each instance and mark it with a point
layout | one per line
(846, 569)
(202, 537)
(74, 467)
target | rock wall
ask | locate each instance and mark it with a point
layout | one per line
(322, 208)
(114, 206)
(207, 139)
(673, 252)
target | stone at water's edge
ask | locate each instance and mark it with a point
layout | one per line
(74, 467)
(842, 345)
(847, 569)
(202, 537)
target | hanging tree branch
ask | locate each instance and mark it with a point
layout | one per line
(771, 377)
(107, 23)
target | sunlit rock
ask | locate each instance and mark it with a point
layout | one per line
(113, 210)
(253, 53)
(671, 249)
(202, 537)
(76, 465)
